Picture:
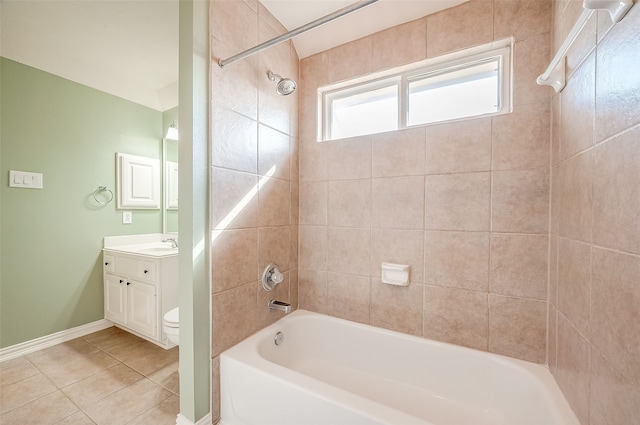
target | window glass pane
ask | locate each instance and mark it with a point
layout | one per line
(369, 112)
(457, 93)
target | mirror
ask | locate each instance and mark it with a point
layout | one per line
(170, 173)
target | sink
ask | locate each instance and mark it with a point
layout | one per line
(156, 249)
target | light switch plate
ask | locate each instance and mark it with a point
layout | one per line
(127, 217)
(25, 180)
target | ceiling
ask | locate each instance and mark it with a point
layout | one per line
(129, 48)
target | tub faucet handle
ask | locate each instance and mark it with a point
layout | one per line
(271, 277)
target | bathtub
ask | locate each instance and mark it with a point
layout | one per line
(329, 371)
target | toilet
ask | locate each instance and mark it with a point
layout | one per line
(171, 325)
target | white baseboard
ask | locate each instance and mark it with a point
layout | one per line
(27, 347)
(181, 420)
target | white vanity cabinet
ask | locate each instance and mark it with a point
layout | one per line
(138, 290)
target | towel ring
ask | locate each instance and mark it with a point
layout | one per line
(102, 189)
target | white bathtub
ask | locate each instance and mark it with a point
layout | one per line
(329, 371)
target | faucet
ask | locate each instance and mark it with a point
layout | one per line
(279, 305)
(174, 242)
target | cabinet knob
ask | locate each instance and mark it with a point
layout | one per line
(128, 283)
(146, 271)
(106, 264)
(121, 281)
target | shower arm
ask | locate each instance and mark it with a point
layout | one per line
(284, 37)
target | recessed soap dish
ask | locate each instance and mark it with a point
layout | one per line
(395, 274)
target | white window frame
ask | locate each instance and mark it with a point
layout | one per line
(401, 77)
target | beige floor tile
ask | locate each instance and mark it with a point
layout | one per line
(61, 352)
(78, 418)
(147, 358)
(125, 405)
(15, 370)
(111, 337)
(75, 368)
(168, 377)
(49, 409)
(163, 414)
(102, 384)
(25, 391)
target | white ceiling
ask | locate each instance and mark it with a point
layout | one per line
(373, 18)
(129, 48)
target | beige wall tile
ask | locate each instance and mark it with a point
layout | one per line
(307, 120)
(532, 57)
(517, 328)
(234, 141)
(349, 250)
(399, 247)
(349, 159)
(293, 246)
(399, 153)
(274, 109)
(456, 316)
(458, 201)
(349, 203)
(520, 201)
(313, 161)
(236, 89)
(313, 203)
(578, 108)
(458, 147)
(274, 202)
(313, 247)
(521, 139)
(226, 17)
(552, 339)
(553, 270)
(555, 129)
(576, 198)
(574, 283)
(521, 18)
(572, 372)
(348, 296)
(294, 159)
(294, 289)
(399, 45)
(398, 203)
(616, 196)
(618, 100)
(457, 259)
(314, 72)
(583, 45)
(351, 60)
(398, 308)
(234, 258)
(473, 24)
(615, 296)
(273, 153)
(238, 303)
(295, 202)
(613, 399)
(233, 207)
(312, 290)
(554, 208)
(274, 244)
(519, 265)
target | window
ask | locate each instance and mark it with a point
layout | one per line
(461, 85)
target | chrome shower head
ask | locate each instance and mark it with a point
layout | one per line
(285, 86)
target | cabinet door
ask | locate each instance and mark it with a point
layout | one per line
(115, 293)
(141, 308)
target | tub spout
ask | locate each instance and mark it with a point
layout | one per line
(279, 305)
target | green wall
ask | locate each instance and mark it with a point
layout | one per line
(51, 274)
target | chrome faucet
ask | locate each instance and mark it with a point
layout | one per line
(174, 242)
(279, 305)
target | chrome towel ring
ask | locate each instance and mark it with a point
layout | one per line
(99, 190)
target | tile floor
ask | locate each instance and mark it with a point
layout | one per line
(110, 377)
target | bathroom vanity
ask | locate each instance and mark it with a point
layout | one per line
(140, 284)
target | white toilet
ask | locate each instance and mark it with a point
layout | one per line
(171, 325)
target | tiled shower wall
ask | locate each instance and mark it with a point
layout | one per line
(466, 204)
(594, 312)
(254, 175)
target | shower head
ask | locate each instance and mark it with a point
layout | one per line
(285, 86)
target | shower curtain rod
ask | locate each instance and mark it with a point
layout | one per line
(284, 37)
